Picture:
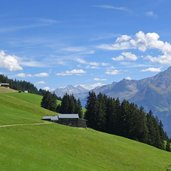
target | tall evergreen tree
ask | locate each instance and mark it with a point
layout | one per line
(111, 116)
(168, 148)
(91, 111)
(101, 112)
(70, 105)
(49, 101)
(78, 109)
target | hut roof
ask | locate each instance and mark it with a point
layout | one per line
(73, 116)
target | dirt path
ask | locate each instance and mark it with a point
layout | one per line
(31, 124)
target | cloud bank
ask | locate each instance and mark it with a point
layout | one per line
(142, 42)
(71, 72)
(9, 62)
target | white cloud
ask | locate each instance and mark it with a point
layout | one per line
(30, 63)
(150, 14)
(23, 75)
(71, 72)
(162, 59)
(142, 41)
(151, 70)
(74, 49)
(81, 61)
(111, 7)
(42, 74)
(15, 63)
(106, 47)
(92, 65)
(125, 56)
(79, 50)
(46, 88)
(9, 62)
(36, 22)
(46, 21)
(112, 72)
(128, 78)
(99, 79)
(91, 86)
(40, 82)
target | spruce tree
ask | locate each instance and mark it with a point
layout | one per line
(168, 148)
(49, 101)
(101, 112)
(70, 105)
(91, 111)
(78, 109)
(111, 116)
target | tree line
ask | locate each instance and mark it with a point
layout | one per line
(125, 119)
(69, 104)
(22, 86)
(113, 116)
(19, 85)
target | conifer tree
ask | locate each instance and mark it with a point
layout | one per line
(101, 112)
(111, 116)
(49, 101)
(70, 105)
(168, 148)
(79, 109)
(91, 111)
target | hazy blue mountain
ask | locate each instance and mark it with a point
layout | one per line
(152, 93)
(77, 91)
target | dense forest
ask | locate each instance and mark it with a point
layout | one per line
(125, 119)
(69, 104)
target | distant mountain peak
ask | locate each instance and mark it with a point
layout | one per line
(153, 93)
(169, 68)
(70, 89)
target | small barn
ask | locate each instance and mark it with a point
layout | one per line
(4, 85)
(67, 119)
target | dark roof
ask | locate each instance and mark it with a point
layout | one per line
(61, 116)
(72, 116)
(4, 83)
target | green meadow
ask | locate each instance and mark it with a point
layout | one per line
(55, 147)
(16, 108)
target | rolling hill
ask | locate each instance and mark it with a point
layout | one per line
(56, 147)
(16, 108)
(6, 90)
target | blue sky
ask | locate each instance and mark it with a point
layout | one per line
(83, 42)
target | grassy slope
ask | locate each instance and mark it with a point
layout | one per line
(56, 147)
(21, 108)
(6, 90)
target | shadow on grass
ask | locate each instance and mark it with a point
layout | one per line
(168, 168)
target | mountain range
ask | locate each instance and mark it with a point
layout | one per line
(153, 93)
(78, 91)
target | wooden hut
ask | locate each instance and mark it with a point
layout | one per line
(67, 119)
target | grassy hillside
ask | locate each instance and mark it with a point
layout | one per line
(6, 90)
(55, 147)
(21, 108)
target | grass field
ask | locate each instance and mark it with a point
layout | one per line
(55, 147)
(6, 90)
(21, 108)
